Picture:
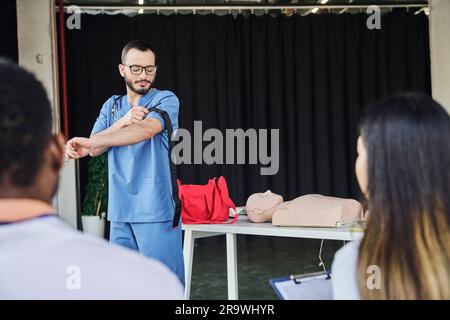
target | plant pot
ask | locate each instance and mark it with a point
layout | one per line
(93, 225)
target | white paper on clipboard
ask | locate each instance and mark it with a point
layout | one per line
(317, 287)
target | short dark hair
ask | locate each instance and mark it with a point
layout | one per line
(25, 124)
(139, 45)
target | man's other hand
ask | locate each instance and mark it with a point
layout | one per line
(134, 115)
(78, 147)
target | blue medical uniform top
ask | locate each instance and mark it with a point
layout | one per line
(140, 188)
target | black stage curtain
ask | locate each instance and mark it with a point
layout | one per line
(309, 77)
(8, 30)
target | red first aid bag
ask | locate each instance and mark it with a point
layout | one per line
(208, 203)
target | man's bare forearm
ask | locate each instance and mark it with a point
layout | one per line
(115, 127)
(137, 132)
(98, 151)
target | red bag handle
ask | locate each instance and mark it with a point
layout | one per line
(223, 190)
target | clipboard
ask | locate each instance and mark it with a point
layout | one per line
(313, 286)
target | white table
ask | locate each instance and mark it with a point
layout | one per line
(245, 226)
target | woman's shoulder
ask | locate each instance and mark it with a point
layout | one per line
(344, 271)
(349, 251)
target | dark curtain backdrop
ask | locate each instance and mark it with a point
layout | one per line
(309, 77)
(8, 30)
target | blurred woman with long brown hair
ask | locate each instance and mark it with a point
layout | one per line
(403, 169)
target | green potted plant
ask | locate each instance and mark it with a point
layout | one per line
(95, 201)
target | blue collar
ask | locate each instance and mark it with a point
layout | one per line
(147, 98)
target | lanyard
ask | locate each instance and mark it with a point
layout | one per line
(114, 107)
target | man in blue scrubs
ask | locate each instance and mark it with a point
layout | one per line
(140, 205)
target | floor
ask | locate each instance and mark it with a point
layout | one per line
(259, 259)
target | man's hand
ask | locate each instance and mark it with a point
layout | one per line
(78, 147)
(134, 115)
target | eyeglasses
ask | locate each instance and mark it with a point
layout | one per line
(137, 70)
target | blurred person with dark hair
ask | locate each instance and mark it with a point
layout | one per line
(403, 169)
(40, 256)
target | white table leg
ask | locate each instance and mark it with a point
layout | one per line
(188, 253)
(232, 267)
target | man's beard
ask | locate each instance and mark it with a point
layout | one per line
(135, 89)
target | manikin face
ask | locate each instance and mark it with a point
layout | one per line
(361, 167)
(136, 78)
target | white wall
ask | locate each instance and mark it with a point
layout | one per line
(67, 197)
(38, 53)
(440, 50)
